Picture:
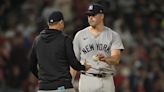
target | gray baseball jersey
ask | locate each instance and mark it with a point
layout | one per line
(86, 46)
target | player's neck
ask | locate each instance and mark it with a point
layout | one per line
(98, 28)
(55, 27)
(96, 31)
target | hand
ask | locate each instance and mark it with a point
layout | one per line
(87, 67)
(101, 57)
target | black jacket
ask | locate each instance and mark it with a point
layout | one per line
(51, 57)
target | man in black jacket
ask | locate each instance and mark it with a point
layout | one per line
(52, 55)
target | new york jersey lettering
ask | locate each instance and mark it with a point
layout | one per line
(98, 47)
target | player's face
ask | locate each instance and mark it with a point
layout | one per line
(94, 20)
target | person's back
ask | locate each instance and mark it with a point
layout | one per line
(52, 62)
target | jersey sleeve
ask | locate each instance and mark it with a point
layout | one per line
(33, 59)
(116, 42)
(76, 46)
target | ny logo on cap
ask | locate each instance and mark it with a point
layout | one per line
(90, 7)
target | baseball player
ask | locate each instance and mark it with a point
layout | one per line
(101, 47)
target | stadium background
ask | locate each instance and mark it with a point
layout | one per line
(139, 22)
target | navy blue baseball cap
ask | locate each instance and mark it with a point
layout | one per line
(94, 9)
(55, 16)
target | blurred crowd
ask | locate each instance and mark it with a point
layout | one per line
(139, 22)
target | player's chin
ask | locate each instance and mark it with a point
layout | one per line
(92, 25)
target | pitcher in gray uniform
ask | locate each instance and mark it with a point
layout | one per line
(101, 47)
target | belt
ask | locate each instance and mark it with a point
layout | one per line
(100, 75)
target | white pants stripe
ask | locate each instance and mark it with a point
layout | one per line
(95, 84)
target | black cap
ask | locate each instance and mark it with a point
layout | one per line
(55, 17)
(95, 9)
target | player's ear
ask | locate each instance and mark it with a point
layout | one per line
(102, 16)
(61, 21)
